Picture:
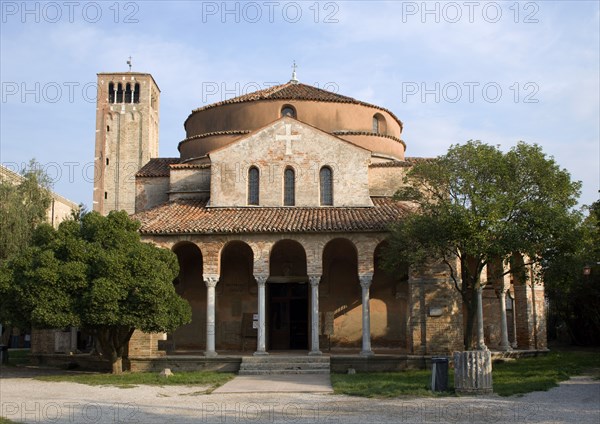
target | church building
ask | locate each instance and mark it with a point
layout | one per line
(278, 207)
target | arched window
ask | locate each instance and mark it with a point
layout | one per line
(379, 124)
(253, 185)
(120, 93)
(289, 187)
(128, 93)
(326, 185)
(136, 93)
(288, 110)
(375, 125)
(111, 92)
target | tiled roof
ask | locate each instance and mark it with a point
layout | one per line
(295, 91)
(214, 133)
(189, 166)
(392, 164)
(369, 133)
(192, 216)
(406, 163)
(157, 167)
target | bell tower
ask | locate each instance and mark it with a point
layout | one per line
(126, 136)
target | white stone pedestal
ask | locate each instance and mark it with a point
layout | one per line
(473, 372)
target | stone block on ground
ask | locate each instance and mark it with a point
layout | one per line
(473, 372)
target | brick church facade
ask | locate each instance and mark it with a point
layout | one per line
(278, 208)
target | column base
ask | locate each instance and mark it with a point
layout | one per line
(210, 354)
(506, 348)
(367, 353)
(315, 353)
(259, 353)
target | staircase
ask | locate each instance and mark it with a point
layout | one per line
(261, 365)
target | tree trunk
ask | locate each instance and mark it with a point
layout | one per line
(471, 312)
(112, 342)
(117, 365)
(470, 281)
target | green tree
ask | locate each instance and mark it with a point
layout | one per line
(98, 275)
(23, 205)
(572, 278)
(476, 204)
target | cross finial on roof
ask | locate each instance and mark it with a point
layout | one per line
(294, 80)
(129, 63)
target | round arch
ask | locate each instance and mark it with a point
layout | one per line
(189, 284)
(236, 295)
(340, 293)
(287, 261)
(389, 302)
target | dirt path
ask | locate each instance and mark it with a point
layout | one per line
(24, 399)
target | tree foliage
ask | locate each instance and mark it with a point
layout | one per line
(572, 280)
(476, 204)
(98, 275)
(23, 206)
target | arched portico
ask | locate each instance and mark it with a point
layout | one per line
(287, 297)
(189, 284)
(389, 302)
(236, 294)
(346, 296)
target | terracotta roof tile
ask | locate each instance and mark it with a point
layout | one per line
(192, 216)
(406, 163)
(369, 133)
(157, 167)
(392, 164)
(189, 165)
(295, 91)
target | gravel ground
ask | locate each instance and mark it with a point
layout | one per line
(30, 401)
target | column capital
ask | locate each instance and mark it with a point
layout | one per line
(211, 280)
(261, 280)
(314, 280)
(365, 280)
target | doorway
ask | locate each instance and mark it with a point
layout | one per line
(288, 316)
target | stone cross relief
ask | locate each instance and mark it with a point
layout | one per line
(288, 138)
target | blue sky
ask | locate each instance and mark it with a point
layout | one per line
(451, 71)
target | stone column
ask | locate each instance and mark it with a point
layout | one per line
(261, 280)
(73, 339)
(211, 281)
(504, 344)
(480, 338)
(514, 324)
(314, 314)
(365, 283)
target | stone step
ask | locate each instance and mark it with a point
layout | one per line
(291, 365)
(261, 365)
(285, 359)
(281, 372)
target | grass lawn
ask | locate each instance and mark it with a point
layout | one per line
(128, 379)
(544, 372)
(387, 384)
(18, 357)
(6, 421)
(510, 377)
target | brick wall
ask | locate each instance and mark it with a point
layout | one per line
(435, 312)
(349, 163)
